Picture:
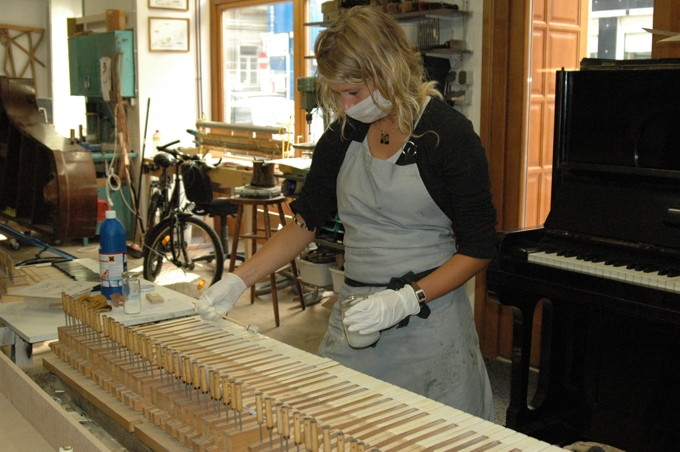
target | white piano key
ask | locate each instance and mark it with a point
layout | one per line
(599, 269)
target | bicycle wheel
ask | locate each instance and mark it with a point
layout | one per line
(155, 212)
(181, 253)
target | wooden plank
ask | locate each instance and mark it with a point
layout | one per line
(17, 434)
(104, 401)
(152, 436)
(157, 439)
(48, 418)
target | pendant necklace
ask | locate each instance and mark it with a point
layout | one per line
(385, 136)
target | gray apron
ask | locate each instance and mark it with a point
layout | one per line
(393, 226)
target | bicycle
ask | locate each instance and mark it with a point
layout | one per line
(181, 251)
(161, 189)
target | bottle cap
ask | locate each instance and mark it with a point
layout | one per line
(110, 214)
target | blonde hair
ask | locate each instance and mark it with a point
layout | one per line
(367, 45)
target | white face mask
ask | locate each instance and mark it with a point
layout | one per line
(367, 111)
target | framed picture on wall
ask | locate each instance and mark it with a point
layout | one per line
(168, 34)
(181, 5)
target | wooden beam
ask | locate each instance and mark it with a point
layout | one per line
(47, 417)
(667, 18)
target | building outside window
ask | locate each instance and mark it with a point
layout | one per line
(616, 29)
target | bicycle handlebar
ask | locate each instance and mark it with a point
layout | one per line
(181, 155)
(165, 146)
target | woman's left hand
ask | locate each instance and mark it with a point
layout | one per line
(382, 310)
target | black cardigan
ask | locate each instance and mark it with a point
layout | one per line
(452, 164)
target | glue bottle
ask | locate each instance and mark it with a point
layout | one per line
(112, 255)
(156, 139)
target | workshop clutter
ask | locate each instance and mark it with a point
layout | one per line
(315, 267)
(315, 273)
(112, 19)
(331, 10)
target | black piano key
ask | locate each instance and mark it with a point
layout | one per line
(674, 272)
(664, 271)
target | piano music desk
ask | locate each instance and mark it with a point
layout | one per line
(36, 320)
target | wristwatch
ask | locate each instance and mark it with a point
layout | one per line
(420, 294)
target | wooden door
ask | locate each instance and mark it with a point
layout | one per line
(525, 43)
(558, 40)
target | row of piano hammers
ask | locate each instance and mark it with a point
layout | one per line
(220, 389)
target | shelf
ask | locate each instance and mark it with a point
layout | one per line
(108, 156)
(443, 13)
(443, 53)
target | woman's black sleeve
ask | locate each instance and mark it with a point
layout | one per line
(456, 173)
(317, 202)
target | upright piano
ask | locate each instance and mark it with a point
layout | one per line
(47, 182)
(605, 265)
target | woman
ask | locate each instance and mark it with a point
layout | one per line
(409, 179)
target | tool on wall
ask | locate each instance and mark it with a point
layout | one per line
(307, 88)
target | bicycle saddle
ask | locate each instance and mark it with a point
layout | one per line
(164, 160)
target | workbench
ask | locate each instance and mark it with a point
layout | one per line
(36, 319)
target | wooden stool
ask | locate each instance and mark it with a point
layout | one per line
(253, 236)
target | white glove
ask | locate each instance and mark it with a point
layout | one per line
(221, 297)
(382, 310)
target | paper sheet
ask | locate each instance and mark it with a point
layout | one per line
(53, 289)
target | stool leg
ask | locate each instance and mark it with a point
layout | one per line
(253, 247)
(293, 265)
(272, 277)
(237, 233)
(224, 233)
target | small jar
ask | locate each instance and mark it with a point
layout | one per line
(355, 339)
(132, 293)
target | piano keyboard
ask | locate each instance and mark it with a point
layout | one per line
(217, 386)
(667, 280)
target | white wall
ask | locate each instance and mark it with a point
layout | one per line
(68, 111)
(473, 63)
(170, 79)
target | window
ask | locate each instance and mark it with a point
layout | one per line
(257, 66)
(616, 29)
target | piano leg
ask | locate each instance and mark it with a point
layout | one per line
(559, 395)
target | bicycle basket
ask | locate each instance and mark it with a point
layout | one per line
(197, 185)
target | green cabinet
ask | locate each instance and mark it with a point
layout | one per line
(85, 52)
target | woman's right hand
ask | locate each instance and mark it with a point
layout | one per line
(220, 298)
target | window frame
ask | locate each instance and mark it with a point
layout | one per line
(301, 68)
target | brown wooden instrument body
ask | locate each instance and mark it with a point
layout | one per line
(47, 183)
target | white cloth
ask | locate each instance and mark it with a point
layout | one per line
(220, 298)
(393, 226)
